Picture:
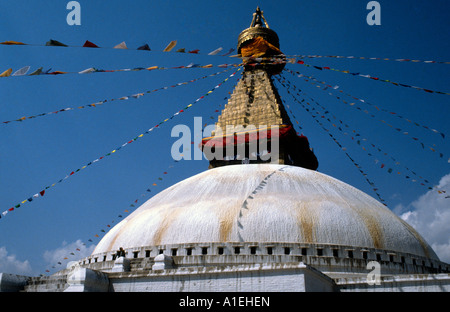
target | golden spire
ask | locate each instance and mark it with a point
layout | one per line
(254, 109)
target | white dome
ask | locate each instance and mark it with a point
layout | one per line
(264, 203)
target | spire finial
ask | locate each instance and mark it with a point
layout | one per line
(258, 18)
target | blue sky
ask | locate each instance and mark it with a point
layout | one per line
(38, 152)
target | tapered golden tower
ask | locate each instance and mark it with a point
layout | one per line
(254, 123)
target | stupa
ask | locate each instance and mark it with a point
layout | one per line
(252, 223)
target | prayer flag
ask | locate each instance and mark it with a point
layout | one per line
(121, 45)
(10, 42)
(229, 52)
(170, 46)
(36, 72)
(87, 71)
(89, 44)
(144, 47)
(21, 71)
(6, 73)
(56, 72)
(215, 51)
(55, 43)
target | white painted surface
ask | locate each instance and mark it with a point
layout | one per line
(286, 204)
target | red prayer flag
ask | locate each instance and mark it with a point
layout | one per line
(42, 192)
(57, 72)
(89, 44)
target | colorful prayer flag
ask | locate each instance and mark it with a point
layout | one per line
(145, 47)
(170, 46)
(121, 45)
(89, 44)
(52, 42)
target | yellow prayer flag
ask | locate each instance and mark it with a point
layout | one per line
(6, 73)
(10, 42)
(170, 46)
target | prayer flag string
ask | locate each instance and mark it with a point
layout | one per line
(132, 206)
(338, 89)
(120, 46)
(423, 145)
(40, 72)
(369, 58)
(172, 44)
(358, 166)
(354, 134)
(244, 207)
(41, 193)
(133, 96)
(371, 77)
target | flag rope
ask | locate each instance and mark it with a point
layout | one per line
(96, 104)
(41, 193)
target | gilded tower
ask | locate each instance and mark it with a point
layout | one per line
(254, 127)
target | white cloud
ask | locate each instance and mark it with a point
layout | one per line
(430, 216)
(10, 264)
(73, 251)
